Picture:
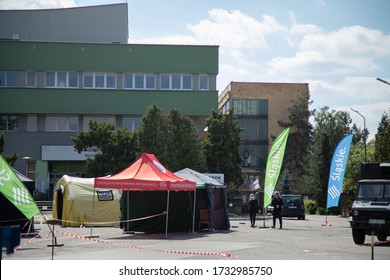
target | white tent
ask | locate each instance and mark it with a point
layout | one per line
(76, 200)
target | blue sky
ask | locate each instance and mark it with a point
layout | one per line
(339, 47)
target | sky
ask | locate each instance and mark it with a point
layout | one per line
(338, 47)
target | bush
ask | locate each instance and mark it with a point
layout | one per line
(310, 206)
(320, 210)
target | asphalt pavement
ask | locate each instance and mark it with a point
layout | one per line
(315, 238)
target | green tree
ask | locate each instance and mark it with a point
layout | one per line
(184, 148)
(298, 142)
(153, 134)
(330, 127)
(382, 139)
(355, 159)
(116, 149)
(221, 149)
(10, 159)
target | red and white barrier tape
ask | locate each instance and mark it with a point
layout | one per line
(138, 247)
(27, 242)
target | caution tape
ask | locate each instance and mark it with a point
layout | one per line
(27, 242)
(82, 224)
(138, 247)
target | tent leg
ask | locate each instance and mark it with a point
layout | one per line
(93, 214)
(166, 217)
(193, 213)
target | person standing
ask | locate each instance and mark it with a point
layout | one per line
(253, 209)
(277, 203)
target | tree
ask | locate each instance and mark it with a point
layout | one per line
(153, 133)
(116, 149)
(10, 159)
(382, 140)
(184, 149)
(330, 127)
(171, 138)
(221, 149)
(298, 142)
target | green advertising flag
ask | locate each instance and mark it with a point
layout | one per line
(274, 164)
(15, 191)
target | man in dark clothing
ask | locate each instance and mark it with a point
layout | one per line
(277, 203)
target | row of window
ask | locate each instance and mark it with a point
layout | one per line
(64, 123)
(104, 80)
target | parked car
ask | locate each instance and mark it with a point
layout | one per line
(293, 206)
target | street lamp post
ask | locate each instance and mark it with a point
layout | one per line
(364, 134)
(383, 81)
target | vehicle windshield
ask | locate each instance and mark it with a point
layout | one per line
(374, 191)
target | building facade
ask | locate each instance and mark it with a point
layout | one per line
(50, 88)
(258, 108)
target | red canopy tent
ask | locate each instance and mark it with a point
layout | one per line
(146, 174)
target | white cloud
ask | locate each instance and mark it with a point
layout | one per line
(35, 4)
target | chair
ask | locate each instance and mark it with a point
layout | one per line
(204, 219)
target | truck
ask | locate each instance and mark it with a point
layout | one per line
(370, 211)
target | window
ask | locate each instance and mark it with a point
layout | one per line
(99, 80)
(250, 107)
(203, 82)
(62, 123)
(128, 81)
(9, 123)
(98, 119)
(131, 123)
(165, 82)
(31, 79)
(32, 123)
(187, 82)
(176, 81)
(139, 81)
(61, 79)
(7, 78)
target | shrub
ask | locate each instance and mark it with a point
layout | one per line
(310, 206)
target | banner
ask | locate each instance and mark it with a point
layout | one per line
(337, 170)
(274, 164)
(15, 191)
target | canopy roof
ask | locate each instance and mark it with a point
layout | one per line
(146, 173)
(201, 180)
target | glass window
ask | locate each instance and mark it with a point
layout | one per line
(73, 79)
(128, 81)
(251, 107)
(203, 82)
(165, 82)
(131, 123)
(32, 123)
(99, 80)
(139, 81)
(111, 80)
(61, 79)
(2, 78)
(187, 82)
(3, 122)
(176, 82)
(50, 79)
(150, 81)
(31, 79)
(59, 123)
(8, 78)
(88, 80)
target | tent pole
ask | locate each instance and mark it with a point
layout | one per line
(167, 216)
(127, 210)
(193, 213)
(93, 213)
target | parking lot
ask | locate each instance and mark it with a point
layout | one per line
(309, 239)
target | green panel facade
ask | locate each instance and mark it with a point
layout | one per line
(108, 57)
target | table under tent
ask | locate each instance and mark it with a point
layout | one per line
(154, 199)
(211, 195)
